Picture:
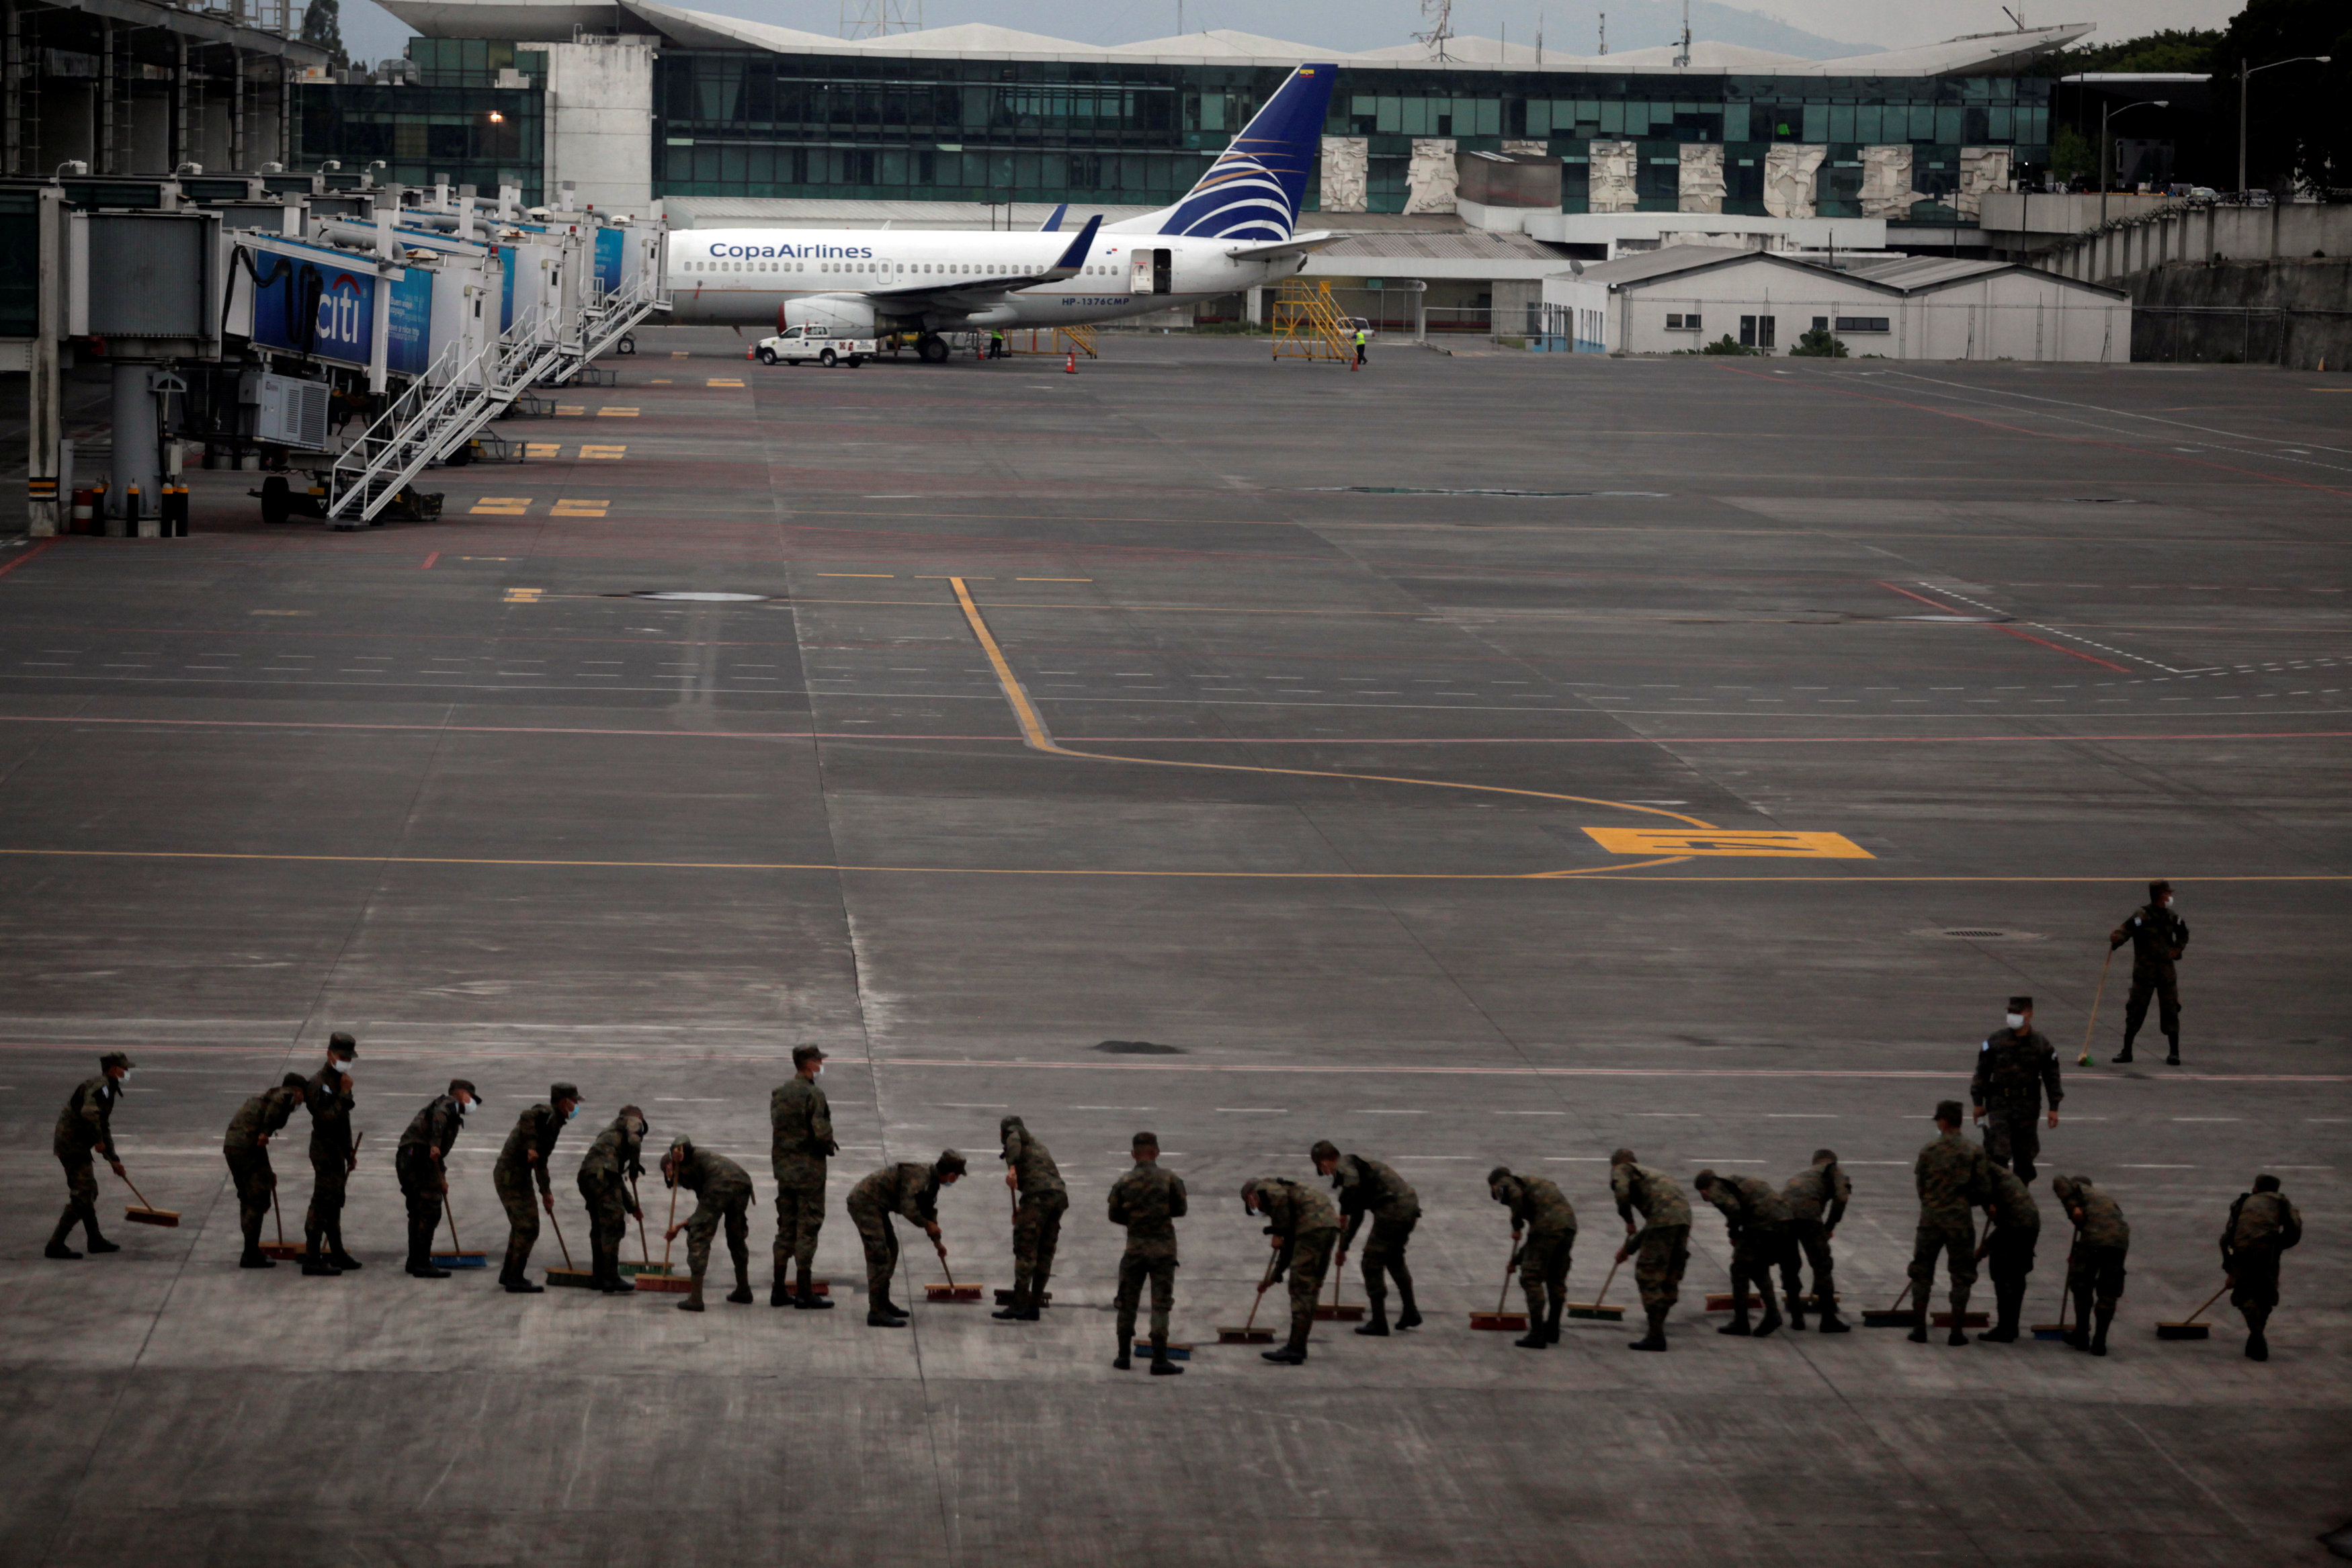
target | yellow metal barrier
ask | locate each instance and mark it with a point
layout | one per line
(1308, 326)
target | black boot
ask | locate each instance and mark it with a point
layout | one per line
(1036, 1296)
(57, 1247)
(779, 1293)
(1408, 1315)
(1125, 1360)
(1830, 1323)
(2099, 1338)
(1291, 1355)
(1656, 1338)
(882, 1320)
(1796, 1312)
(1918, 1334)
(1739, 1326)
(2258, 1347)
(1161, 1366)
(1770, 1321)
(2172, 1057)
(343, 1261)
(253, 1258)
(1958, 1335)
(1378, 1323)
(807, 1299)
(1551, 1322)
(740, 1295)
(2006, 1300)
(1013, 1310)
(2130, 1033)
(693, 1303)
(521, 1285)
(92, 1242)
(315, 1266)
(1536, 1338)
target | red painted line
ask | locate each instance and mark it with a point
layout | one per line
(429, 560)
(1930, 603)
(26, 556)
(2068, 652)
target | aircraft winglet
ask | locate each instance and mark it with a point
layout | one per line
(1075, 256)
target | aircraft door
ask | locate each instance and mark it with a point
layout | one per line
(1153, 273)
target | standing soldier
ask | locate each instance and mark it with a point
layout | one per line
(1030, 1171)
(2157, 938)
(247, 1147)
(1149, 1201)
(1663, 1243)
(1954, 1177)
(2014, 1068)
(86, 1126)
(1538, 1208)
(2095, 1268)
(1305, 1228)
(801, 1122)
(328, 1094)
(1758, 1219)
(912, 1190)
(2263, 1224)
(723, 1193)
(1816, 1197)
(1367, 1187)
(420, 1162)
(615, 1157)
(523, 1163)
(2016, 1227)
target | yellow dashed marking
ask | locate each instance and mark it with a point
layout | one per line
(501, 506)
(663, 382)
(524, 595)
(602, 451)
(616, 414)
(571, 408)
(722, 382)
(578, 508)
(540, 449)
(680, 353)
(1727, 841)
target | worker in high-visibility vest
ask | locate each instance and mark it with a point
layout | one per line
(1363, 336)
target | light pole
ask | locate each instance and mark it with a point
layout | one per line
(2106, 144)
(2244, 72)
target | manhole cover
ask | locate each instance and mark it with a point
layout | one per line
(1137, 1048)
(699, 598)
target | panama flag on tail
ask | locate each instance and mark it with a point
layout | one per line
(1253, 191)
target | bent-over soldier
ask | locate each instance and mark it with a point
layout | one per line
(1304, 1229)
(421, 1163)
(1148, 1200)
(1367, 1187)
(327, 1093)
(86, 1126)
(723, 1190)
(2016, 1067)
(1037, 1209)
(912, 1191)
(2158, 937)
(799, 1120)
(1664, 1244)
(2095, 1268)
(607, 1184)
(2263, 1224)
(1543, 1230)
(246, 1146)
(2008, 1250)
(1757, 1220)
(1953, 1177)
(1816, 1196)
(522, 1163)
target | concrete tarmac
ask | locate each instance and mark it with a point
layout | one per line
(1483, 758)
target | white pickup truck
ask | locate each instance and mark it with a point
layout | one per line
(798, 345)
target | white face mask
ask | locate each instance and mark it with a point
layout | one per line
(2015, 1020)
(464, 1105)
(574, 1112)
(345, 1068)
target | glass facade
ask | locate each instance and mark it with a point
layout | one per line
(456, 125)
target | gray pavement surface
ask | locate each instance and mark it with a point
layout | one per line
(1329, 682)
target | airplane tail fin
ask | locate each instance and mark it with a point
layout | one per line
(1254, 190)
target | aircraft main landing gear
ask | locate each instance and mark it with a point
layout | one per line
(932, 348)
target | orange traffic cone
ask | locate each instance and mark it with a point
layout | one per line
(1070, 365)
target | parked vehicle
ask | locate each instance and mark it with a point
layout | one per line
(800, 345)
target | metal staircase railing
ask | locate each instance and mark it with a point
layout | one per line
(1307, 325)
(606, 317)
(456, 397)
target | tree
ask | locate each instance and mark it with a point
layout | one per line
(323, 26)
(2297, 127)
(2073, 153)
(1816, 343)
(2173, 49)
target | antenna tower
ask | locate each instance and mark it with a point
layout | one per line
(1682, 56)
(879, 18)
(1441, 28)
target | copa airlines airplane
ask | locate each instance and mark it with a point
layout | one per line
(1234, 230)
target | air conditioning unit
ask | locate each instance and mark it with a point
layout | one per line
(286, 412)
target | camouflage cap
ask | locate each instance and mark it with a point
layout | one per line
(801, 1053)
(1825, 1156)
(1704, 1180)
(562, 1092)
(950, 1163)
(2020, 1004)
(628, 1110)
(2266, 1184)
(1499, 1175)
(1621, 1157)
(1950, 1111)
(115, 1059)
(293, 1081)
(1006, 1123)
(466, 1084)
(1250, 1188)
(2159, 889)
(1324, 1149)
(2064, 1186)
(343, 1045)
(1144, 1141)
(681, 1146)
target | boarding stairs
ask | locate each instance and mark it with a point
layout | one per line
(1307, 325)
(440, 410)
(1063, 342)
(607, 317)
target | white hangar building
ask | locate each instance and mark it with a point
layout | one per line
(1902, 308)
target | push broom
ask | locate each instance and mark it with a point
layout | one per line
(145, 1213)
(2191, 1328)
(645, 1251)
(2058, 1329)
(571, 1273)
(2085, 1060)
(1331, 1312)
(1516, 1323)
(1893, 1317)
(1249, 1332)
(282, 1250)
(1594, 1308)
(950, 1291)
(456, 1258)
(1970, 1320)
(659, 1279)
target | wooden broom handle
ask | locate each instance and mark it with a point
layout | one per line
(1504, 1294)
(2209, 1301)
(1606, 1283)
(1263, 1286)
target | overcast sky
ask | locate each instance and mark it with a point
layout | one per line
(372, 33)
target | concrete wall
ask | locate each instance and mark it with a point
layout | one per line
(600, 101)
(2292, 313)
(2293, 229)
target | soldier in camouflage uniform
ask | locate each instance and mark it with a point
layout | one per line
(1305, 1228)
(2095, 1268)
(2009, 1248)
(1030, 1171)
(419, 1161)
(246, 1146)
(1664, 1245)
(801, 1121)
(1147, 1200)
(2015, 1068)
(912, 1192)
(723, 1193)
(1757, 1220)
(2263, 1224)
(86, 1126)
(521, 1163)
(327, 1093)
(1539, 1209)
(1816, 1196)
(1368, 1187)
(2158, 937)
(605, 1171)
(1954, 1178)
